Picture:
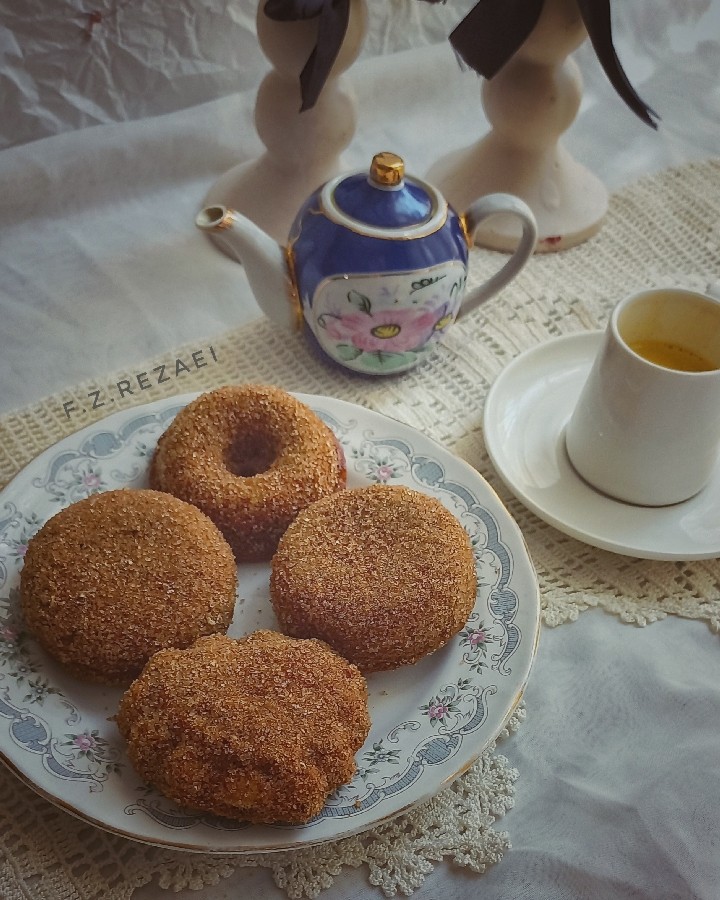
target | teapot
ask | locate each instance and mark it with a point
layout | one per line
(375, 267)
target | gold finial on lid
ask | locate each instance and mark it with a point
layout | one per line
(387, 169)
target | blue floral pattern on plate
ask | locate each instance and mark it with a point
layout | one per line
(430, 721)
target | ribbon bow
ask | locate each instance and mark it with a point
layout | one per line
(333, 22)
(493, 31)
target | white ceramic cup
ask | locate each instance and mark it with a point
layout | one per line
(642, 432)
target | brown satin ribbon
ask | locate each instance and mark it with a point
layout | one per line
(494, 30)
(489, 35)
(333, 17)
(597, 18)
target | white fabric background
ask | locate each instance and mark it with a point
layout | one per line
(109, 144)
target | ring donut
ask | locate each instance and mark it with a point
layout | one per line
(251, 457)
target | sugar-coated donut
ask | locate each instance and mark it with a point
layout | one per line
(385, 575)
(262, 728)
(250, 457)
(115, 577)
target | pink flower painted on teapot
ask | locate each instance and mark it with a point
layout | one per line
(383, 323)
(394, 330)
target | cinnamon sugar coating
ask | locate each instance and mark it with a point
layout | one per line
(384, 574)
(262, 728)
(250, 457)
(115, 577)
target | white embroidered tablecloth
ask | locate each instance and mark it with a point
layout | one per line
(663, 230)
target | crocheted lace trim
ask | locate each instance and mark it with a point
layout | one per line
(44, 852)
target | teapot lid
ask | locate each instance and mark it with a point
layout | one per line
(384, 202)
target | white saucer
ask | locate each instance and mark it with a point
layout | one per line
(526, 412)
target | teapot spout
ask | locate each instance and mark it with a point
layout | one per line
(265, 262)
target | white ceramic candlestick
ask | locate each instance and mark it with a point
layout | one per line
(303, 149)
(530, 103)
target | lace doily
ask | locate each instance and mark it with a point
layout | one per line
(663, 230)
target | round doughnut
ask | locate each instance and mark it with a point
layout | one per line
(115, 577)
(262, 728)
(250, 457)
(385, 575)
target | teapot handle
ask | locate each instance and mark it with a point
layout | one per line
(476, 213)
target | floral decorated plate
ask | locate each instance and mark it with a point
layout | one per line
(430, 721)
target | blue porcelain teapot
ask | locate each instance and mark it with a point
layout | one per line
(375, 266)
